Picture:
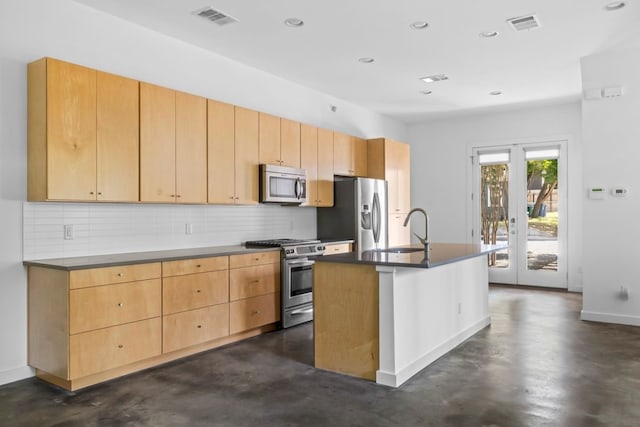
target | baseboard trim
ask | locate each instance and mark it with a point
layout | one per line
(397, 379)
(620, 319)
(16, 374)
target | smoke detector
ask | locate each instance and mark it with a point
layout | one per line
(522, 23)
(215, 16)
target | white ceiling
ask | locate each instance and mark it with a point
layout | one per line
(537, 66)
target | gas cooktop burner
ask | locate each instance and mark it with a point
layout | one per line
(277, 243)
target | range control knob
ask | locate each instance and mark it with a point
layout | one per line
(288, 251)
(320, 248)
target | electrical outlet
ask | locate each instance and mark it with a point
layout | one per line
(68, 232)
(188, 228)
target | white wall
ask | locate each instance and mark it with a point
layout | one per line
(31, 29)
(611, 145)
(440, 167)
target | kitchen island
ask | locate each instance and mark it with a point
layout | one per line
(385, 315)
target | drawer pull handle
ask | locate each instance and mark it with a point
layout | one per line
(120, 304)
(120, 346)
(198, 266)
(197, 291)
(255, 281)
(120, 274)
(254, 312)
(257, 259)
(199, 326)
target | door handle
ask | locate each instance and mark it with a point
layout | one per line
(302, 311)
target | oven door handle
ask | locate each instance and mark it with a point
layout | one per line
(302, 311)
(301, 262)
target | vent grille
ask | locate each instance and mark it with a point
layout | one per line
(523, 23)
(434, 78)
(215, 16)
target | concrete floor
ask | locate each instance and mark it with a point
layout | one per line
(536, 365)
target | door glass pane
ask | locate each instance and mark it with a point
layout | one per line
(542, 211)
(494, 208)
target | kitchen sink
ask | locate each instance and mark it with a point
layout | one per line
(400, 250)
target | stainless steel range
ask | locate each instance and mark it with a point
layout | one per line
(296, 276)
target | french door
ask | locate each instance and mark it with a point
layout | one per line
(519, 198)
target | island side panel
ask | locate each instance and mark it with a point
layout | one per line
(345, 299)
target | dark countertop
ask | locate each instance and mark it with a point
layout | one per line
(96, 261)
(440, 254)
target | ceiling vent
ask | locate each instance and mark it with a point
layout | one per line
(434, 78)
(523, 23)
(215, 16)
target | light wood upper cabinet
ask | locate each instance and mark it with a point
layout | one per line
(82, 134)
(269, 139)
(191, 148)
(221, 140)
(173, 146)
(246, 156)
(279, 141)
(157, 144)
(349, 155)
(290, 143)
(118, 131)
(316, 157)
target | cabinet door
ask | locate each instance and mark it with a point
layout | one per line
(221, 141)
(117, 135)
(397, 174)
(193, 327)
(309, 161)
(191, 148)
(103, 306)
(246, 156)
(71, 131)
(342, 154)
(269, 139)
(253, 312)
(359, 161)
(253, 281)
(290, 143)
(182, 293)
(398, 234)
(325, 167)
(157, 144)
(103, 349)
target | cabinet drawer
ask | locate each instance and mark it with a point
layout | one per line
(97, 351)
(253, 281)
(103, 306)
(253, 312)
(192, 291)
(193, 327)
(118, 274)
(196, 265)
(339, 248)
(256, 258)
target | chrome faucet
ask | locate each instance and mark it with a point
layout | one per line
(425, 241)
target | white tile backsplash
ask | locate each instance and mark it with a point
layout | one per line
(114, 228)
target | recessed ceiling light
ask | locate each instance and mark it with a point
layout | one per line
(615, 5)
(434, 78)
(488, 34)
(426, 92)
(294, 22)
(366, 60)
(419, 25)
(495, 93)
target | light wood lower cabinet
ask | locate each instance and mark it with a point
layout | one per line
(103, 349)
(193, 327)
(92, 325)
(253, 312)
(337, 248)
(254, 290)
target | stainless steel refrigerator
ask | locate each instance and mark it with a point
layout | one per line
(359, 213)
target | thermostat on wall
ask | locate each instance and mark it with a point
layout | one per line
(596, 193)
(619, 192)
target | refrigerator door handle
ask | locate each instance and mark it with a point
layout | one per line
(376, 218)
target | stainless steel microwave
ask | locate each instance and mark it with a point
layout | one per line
(281, 184)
